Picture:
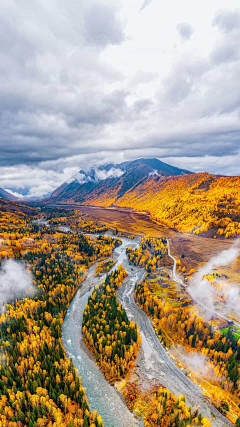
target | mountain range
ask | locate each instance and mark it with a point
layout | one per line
(198, 203)
(114, 180)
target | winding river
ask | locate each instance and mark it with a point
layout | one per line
(101, 395)
(154, 361)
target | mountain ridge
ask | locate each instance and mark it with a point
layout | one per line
(6, 195)
(119, 178)
(199, 203)
(11, 206)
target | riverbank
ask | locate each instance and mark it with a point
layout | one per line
(153, 362)
(101, 395)
(196, 250)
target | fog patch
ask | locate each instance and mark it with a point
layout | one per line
(153, 173)
(15, 282)
(197, 363)
(202, 290)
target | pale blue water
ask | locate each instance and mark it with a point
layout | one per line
(101, 395)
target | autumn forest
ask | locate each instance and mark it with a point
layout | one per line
(64, 253)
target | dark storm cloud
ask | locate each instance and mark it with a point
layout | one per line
(185, 30)
(52, 97)
(44, 133)
(180, 143)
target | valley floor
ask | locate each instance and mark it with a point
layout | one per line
(197, 250)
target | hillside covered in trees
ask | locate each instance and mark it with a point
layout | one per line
(6, 195)
(188, 336)
(38, 385)
(110, 336)
(18, 208)
(200, 203)
(194, 203)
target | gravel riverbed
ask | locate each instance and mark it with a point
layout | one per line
(153, 360)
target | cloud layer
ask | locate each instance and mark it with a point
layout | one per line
(86, 81)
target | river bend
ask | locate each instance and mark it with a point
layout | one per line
(155, 361)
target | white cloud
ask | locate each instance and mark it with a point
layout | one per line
(153, 173)
(79, 177)
(15, 282)
(14, 193)
(111, 173)
(96, 175)
(145, 4)
(31, 181)
(185, 30)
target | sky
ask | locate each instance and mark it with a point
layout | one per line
(86, 82)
